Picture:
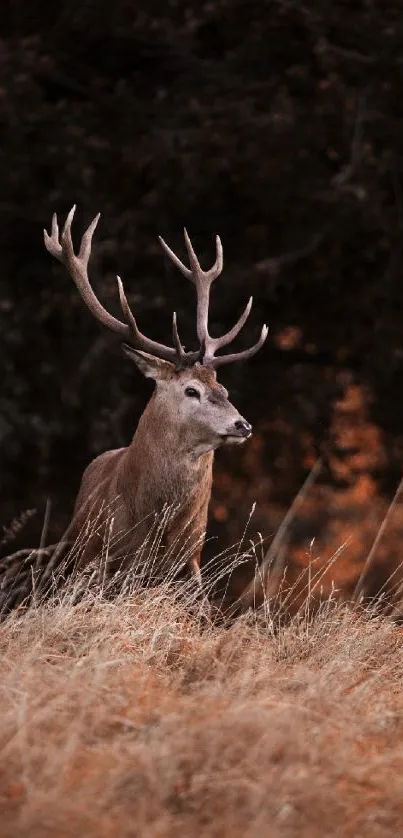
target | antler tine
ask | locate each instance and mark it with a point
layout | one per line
(175, 259)
(52, 243)
(197, 272)
(202, 280)
(86, 241)
(196, 269)
(177, 341)
(224, 340)
(63, 250)
(140, 340)
(240, 356)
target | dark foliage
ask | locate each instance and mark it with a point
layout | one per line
(278, 125)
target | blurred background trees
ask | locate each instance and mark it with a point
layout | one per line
(278, 125)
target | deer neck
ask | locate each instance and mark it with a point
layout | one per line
(163, 439)
(162, 456)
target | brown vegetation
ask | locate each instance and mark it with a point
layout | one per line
(130, 717)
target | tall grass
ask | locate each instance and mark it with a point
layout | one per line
(131, 715)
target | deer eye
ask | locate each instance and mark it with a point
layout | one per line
(192, 393)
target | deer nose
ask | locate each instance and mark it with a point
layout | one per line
(244, 428)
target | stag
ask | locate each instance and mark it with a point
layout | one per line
(169, 460)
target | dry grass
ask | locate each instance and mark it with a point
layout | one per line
(130, 717)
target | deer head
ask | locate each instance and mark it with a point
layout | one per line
(187, 394)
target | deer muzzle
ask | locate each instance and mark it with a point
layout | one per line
(238, 432)
(243, 428)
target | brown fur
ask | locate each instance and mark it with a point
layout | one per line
(124, 491)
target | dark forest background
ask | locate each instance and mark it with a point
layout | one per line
(277, 124)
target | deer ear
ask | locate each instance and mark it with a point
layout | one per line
(149, 365)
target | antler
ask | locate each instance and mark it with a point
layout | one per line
(77, 265)
(203, 281)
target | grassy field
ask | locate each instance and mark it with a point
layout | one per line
(132, 717)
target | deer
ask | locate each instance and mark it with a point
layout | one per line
(169, 460)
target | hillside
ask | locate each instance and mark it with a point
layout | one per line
(132, 718)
